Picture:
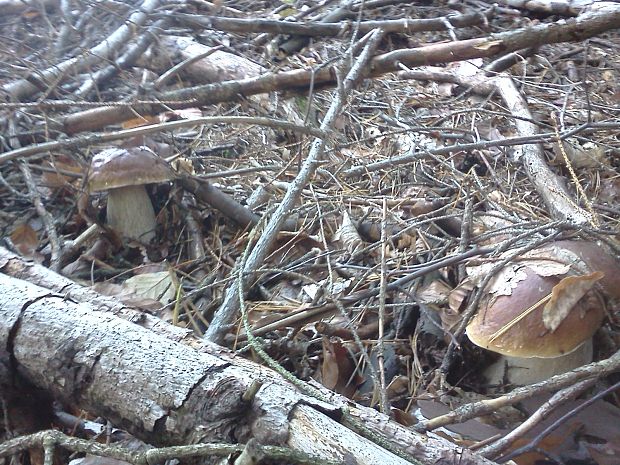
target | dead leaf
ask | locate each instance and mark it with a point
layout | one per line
(31, 14)
(609, 191)
(488, 45)
(565, 295)
(337, 369)
(285, 13)
(399, 386)
(67, 172)
(183, 166)
(402, 417)
(25, 239)
(180, 114)
(142, 121)
(157, 286)
(407, 242)
(467, 68)
(588, 155)
(436, 292)
(445, 89)
(347, 233)
(459, 294)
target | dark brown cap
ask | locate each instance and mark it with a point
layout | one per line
(515, 324)
(120, 167)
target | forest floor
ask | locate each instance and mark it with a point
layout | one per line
(368, 215)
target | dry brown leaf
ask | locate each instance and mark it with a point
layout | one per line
(565, 295)
(158, 286)
(588, 155)
(407, 242)
(329, 369)
(25, 239)
(436, 292)
(142, 121)
(459, 294)
(347, 233)
(402, 417)
(31, 14)
(337, 369)
(61, 177)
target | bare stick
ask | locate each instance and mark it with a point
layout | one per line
(566, 394)
(325, 29)
(484, 407)
(52, 438)
(85, 141)
(550, 186)
(23, 88)
(228, 311)
(47, 219)
(585, 26)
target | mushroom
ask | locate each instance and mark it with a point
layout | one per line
(124, 173)
(541, 312)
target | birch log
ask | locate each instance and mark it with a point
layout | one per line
(169, 393)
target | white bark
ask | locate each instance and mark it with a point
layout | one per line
(547, 183)
(166, 392)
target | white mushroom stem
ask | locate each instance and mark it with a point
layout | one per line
(522, 371)
(131, 214)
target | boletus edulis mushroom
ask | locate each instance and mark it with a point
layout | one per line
(124, 174)
(541, 311)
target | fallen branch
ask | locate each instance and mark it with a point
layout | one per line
(85, 141)
(23, 89)
(228, 311)
(51, 439)
(584, 26)
(168, 393)
(550, 186)
(324, 29)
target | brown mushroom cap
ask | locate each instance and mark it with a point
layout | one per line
(529, 337)
(118, 167)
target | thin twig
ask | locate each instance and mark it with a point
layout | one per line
(477, 409)
(494, 449)
(560, 421)
(48, 221)
(85, 141)
(228, 310)
(385, 406)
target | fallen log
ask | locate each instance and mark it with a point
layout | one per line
(168, 393)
